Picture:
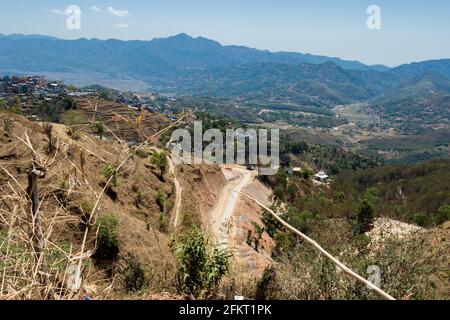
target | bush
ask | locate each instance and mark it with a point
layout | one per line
(271, 225)
(109, 172)
(366, 212)
(108, 238)
(442, 215)
(159, 159)
(421, 219)
(299, 220)
(366, 216)
(99, 129)
(266, 284)
(278, 193)
(163, 222)
(160, 199)
(200, 266)
(134, 275)
(86, 210)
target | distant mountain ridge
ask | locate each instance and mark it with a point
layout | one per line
(198, 66)
(160, 55)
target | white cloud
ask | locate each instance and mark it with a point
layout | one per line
(118, 13)
(57, 11)
(95, 9)
(121, 25)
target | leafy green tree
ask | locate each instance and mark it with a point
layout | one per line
(100, 128)
(365, 216)
(366, 212)
(271, 225)
(306, 174)
(201, 266)
(278, 193)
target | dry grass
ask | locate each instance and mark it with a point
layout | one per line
(67, 233)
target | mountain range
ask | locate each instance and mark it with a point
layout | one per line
(198, 66)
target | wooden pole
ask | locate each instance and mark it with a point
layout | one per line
(37, 236)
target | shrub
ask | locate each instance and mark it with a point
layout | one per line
(159, 159)
(442, 215)
(109, 172)
(299, 220)
(107, 239)
(278, 193)
(366, 212)
(271, 225)
(365, 216)
(160, 199)
(99, 129)
(163, 222)
(134, 275)
(421, 219)
(306, 174)
(266, 284)
(200, 266)
(86, 210)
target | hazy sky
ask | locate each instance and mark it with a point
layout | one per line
(411, 30)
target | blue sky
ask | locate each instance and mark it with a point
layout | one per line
(411, 30)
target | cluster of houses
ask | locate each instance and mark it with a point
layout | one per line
(36, 86)
(136, 103)
(320, 177)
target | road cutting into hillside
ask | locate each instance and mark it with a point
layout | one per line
(220, 216)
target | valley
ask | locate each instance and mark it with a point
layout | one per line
(92, 203)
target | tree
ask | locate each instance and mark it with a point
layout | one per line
(278, 193)
(366, 212)
(159, 159)
(366, 216)
(100, 129)
(201, 267)
(306, 174)
(270, 223)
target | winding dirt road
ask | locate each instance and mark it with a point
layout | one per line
(220, 216)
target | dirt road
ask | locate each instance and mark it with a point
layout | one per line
(220, 216)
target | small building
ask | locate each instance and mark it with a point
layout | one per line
(297, 170)
(321, 177)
